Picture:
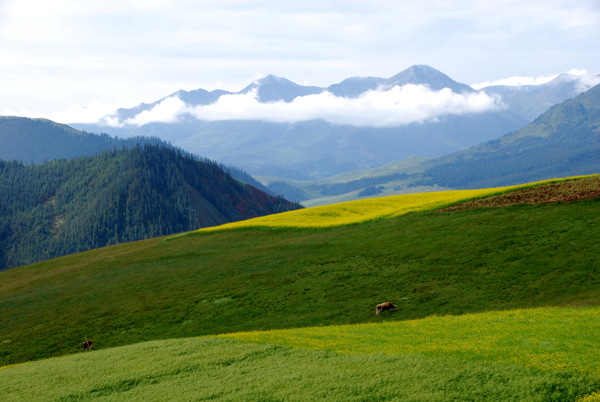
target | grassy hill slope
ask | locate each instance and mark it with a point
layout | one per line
(263, 278)
(525, 355)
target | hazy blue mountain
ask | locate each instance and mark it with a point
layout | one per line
(355, 86)
(530, 101)
(317, 149)
(38, 140)
(314, 149)
(273, 89)
(425, 75)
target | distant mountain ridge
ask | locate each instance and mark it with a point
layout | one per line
(530, 101)
(273, 89)
(315, 148)
(564, 141)
(37, 140)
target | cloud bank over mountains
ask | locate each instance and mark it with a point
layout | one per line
(276, 127)
(385, 105)
(382, 107)
(419, 94)
(585, 79)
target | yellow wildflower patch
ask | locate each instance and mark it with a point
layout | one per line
(352, 212)
(589, 398)
(359, 211)
(551, 339)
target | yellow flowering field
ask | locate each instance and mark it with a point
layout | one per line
(358, 211)
(551, 339)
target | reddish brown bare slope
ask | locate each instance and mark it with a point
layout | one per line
(567, 191)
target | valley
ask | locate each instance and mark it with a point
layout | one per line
(434, 265)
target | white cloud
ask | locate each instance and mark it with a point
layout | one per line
(379, 108)
(92, 113)
(87, 114)
(585, 80)
(167, 111)
(516, 81)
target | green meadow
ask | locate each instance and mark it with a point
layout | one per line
(474, 289)
(524, 355)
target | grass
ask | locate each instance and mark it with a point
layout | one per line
(261, 278)
(432, 359)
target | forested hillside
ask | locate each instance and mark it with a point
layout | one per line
(66, 206)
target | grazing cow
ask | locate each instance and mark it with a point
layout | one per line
(87, 346)
(387, 306)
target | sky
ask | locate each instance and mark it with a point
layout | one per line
(78, 60)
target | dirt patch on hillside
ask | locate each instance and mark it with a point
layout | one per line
(568, 191)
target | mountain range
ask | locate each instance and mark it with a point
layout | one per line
(315, 148)
(539, 157)
(274, 89)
